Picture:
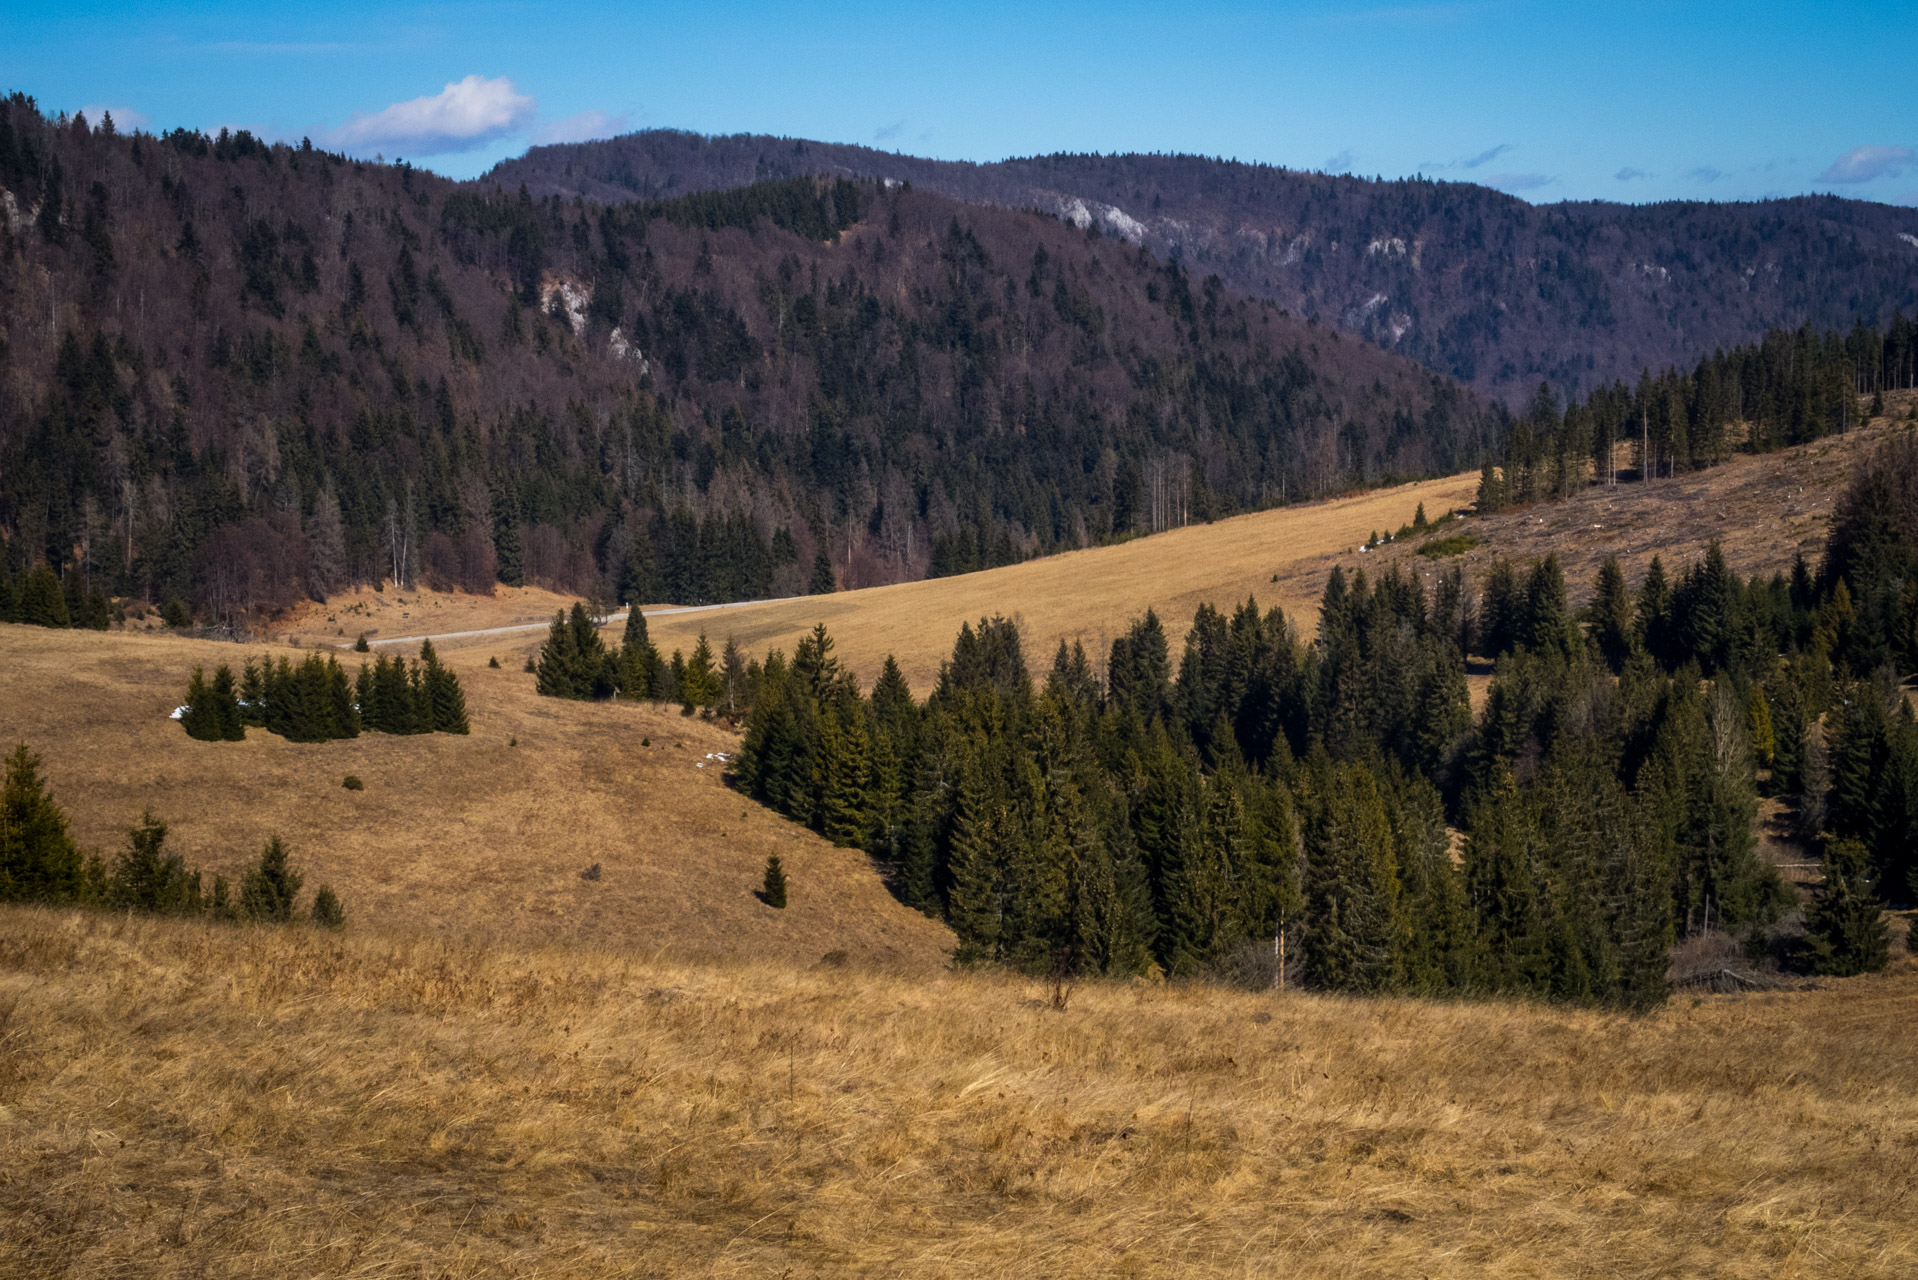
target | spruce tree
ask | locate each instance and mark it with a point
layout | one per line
(147, 878)
(638, 659)
(822, 582)
(199, 717)
(559, 661)
(226, 705)
(252, 695)
(268, 890)
(1844, 925)
(774, 892)
(1610, 614)
(38, 859)
(975, 906)
(846, 750)
(446, 701)
(42, 601)
(699, 686)
(327, 912)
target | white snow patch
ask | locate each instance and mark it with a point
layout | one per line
(1909, 238)
(1394, 247)
(1656, 272)
(1373, 303)
(179, 713)
(18, 222)
(1075, 212)
(574, 297)
(1125, 224)
(623, 349)
(1295, 250)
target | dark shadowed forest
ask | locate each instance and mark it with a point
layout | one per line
(1496, 292)
(233, 374)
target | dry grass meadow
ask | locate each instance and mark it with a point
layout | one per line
(182, 1099)
(456, 834)
(501, 1068)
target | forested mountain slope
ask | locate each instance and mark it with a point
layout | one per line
(1467, 280)
(235, 373)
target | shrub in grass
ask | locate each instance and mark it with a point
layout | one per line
(1456, 545)
(326, 909)
(353, 783)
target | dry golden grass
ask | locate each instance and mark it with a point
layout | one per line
(1764, 509)
(456, 833)
(186, 1099)
(1090, 595)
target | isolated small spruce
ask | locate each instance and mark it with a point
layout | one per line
(38, 859)
(775, 891)
(493, 663)
(361, 646)
(353, 783)
(326, 909)
(268, 890)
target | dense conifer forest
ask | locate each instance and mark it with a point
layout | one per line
(1268, 805)
(1488, 288)
(234, 374)
(1788, 388)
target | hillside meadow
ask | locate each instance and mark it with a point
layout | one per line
(484, 834)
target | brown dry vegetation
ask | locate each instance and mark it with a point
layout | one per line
(1090, 595)
(452, 833)
(192, 1099)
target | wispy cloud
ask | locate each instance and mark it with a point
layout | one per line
(1865, 164)
(1341, 163)
(584, 127)
(1704, 173)
(465, 114)
(1467, 162)
(1629, 174)
(1519, 181)
(887, 132)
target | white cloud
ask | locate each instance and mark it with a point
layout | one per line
(1705, 173)
(1629, 174)
(1518, 181)
(1483, 157)
(584, 127)
(1340, 163)
(466, 114)
(887, 132)
(125, 119)
(1863, 164)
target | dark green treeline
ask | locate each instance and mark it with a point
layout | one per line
(1277, 794)
(314, 701)
(1788, 388)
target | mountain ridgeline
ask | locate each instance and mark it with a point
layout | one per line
(1496, 292)
(233, 374)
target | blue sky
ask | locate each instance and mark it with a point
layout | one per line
(1623, 101)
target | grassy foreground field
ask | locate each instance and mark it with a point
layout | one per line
(182, 1099)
